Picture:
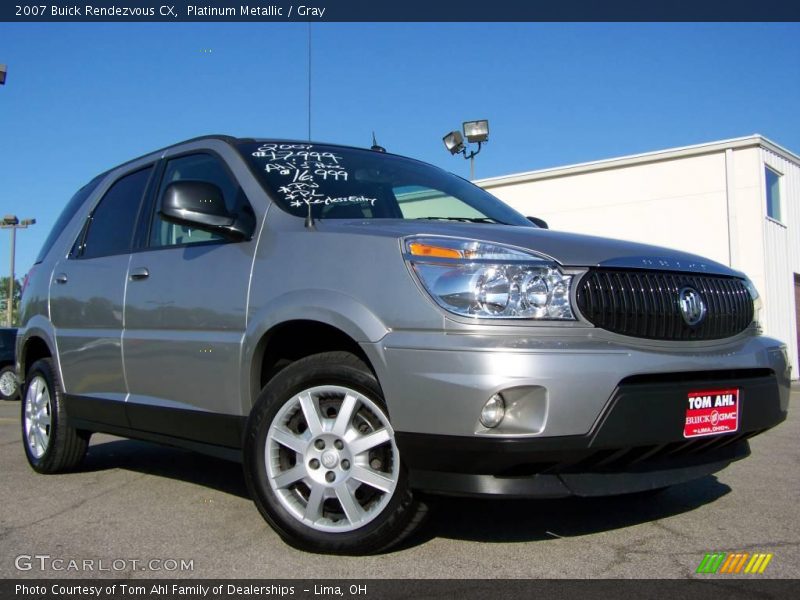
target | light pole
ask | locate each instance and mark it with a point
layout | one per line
(13, 223)
(476, 132)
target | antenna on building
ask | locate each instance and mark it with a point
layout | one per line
(309, 83)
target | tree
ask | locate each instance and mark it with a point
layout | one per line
(4, 299)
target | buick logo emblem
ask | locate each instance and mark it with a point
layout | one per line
(693, 307)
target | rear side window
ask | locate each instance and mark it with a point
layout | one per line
(109, 229)
(66, 215)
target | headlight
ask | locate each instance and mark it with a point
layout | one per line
(757, 303)
(481, 279)
(751, 288)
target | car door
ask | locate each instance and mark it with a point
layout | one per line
(86, 303)
(185, 316)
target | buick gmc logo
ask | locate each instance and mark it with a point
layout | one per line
(693, 307)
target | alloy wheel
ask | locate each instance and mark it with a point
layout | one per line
(331, 458)
(38, 410)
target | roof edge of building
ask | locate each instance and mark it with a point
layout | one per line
(642, 158)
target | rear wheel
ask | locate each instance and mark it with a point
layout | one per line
(8, 383)
(51, 445)
(321, 460)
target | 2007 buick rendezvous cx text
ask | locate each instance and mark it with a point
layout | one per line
(357, 327)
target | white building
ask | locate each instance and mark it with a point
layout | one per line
(735, 201)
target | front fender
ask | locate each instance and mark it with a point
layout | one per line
(323, 306)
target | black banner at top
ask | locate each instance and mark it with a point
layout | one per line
(401, 10)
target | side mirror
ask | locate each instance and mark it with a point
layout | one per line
(201, 204)
(541, 223)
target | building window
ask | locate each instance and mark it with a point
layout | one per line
(773, 179)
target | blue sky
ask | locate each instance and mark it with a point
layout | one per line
(81, 98)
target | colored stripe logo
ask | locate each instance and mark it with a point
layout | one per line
(734, 563)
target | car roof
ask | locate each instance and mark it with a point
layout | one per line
(229, 139)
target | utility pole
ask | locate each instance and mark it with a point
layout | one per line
(13, 223)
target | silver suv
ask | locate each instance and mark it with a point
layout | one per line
(356, 328)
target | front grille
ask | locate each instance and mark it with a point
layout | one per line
(645, 304)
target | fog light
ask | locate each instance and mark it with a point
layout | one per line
(493, 411)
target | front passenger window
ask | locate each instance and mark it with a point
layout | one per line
(197, 167)
(109, 230)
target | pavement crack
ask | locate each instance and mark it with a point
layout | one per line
(669, 529)
(73, 506)
(622, 553)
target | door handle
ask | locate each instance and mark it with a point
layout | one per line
(139, 274)
(61, 278)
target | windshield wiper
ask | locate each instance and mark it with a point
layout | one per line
(463, 219)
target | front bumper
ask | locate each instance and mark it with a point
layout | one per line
(589, 418)
(647, 476)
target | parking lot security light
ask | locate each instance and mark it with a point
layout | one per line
(454, 142)
(477, 132)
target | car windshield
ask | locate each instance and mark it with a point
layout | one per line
(348, 183)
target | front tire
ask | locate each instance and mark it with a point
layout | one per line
(51, 445)
(321, 461)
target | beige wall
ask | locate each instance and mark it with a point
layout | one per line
(678, 203)
(747, 214)
(782, 255)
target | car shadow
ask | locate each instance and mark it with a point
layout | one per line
(468, 519)
(166, 461)
(504, 521)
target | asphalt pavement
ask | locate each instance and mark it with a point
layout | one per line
(140, 510)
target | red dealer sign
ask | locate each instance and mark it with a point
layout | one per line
(709, 412)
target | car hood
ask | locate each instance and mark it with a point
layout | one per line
(568, 249)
